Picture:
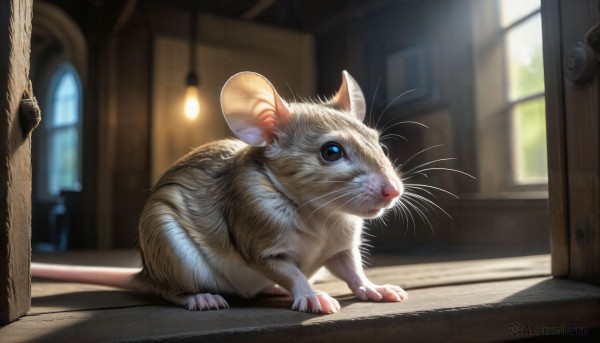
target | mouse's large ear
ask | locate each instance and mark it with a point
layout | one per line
(350, 97)
(252, 107)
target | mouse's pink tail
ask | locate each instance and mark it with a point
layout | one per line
(106, 276)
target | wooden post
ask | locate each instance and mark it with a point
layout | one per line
(556, 138)
(582, 118)
(15, 161)
(573, 124)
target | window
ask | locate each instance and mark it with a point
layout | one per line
(521, 29)
(62, 131)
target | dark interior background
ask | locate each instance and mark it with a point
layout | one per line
(118, 72)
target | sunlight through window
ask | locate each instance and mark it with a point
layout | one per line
(521, 24)
(63, 132)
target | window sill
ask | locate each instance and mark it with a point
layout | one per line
(452, 301)
(521, 195)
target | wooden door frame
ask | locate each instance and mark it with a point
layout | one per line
(15, 160)
(572, 124)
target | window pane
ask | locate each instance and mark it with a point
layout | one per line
(513, 10)
(63, 151)
(65, 101)
(525, 59)
(529, 142)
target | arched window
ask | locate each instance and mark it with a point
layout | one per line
(63, 131)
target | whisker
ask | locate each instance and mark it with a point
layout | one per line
(393, 135)
(384, 147)
(409, 214)
(373, 102)
(396, 98)
(420, 197)
(450, 169)
(428, 163)
(424, 205)
(419, 153)
(387, 127)
(382, 219)
(330, 201)
(421, 214)
(342, 205)
(334, 181)
(411, 187)
(349, 190)
(399, 213)
(432, 187)
(413, 175)
(291, 91)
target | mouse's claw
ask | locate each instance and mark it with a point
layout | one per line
(202, 302)
(316, 303)
(381, 293)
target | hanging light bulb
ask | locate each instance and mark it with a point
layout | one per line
(192, 97)
(192, 92)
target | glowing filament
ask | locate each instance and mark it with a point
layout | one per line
(192, 102)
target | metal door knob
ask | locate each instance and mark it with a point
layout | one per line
(581, 63)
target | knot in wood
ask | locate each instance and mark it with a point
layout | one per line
(30, 114)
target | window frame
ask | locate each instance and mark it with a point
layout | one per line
(54, 73)
(493, 105)
(511, 104)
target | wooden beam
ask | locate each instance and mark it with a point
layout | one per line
(15, 161)
(573, 124)
(555, 137)
(582, 123)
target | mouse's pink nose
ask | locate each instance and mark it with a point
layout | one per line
(390, 191)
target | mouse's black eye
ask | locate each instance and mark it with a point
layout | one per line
(332, 152)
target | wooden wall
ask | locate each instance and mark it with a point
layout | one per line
(142, 128)
(135, 128)
(226, 47)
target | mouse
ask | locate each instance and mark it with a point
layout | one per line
(266, 211)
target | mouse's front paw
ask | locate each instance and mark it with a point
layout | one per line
(380, 293)
(316, 303)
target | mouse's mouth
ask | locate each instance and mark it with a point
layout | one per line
(378, 210)
(386, 205)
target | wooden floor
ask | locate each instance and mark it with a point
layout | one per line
(484, 300)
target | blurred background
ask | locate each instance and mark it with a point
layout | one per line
(128, 87)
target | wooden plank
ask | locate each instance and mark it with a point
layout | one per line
(461, 272)
(474, 312)
(53, 297)
(555, 138)
(50, 297)
(582, 115)
(15, 161)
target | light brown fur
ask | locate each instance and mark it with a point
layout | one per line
(268, 211)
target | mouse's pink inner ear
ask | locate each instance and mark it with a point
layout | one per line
(252, 107)
(350, 97)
